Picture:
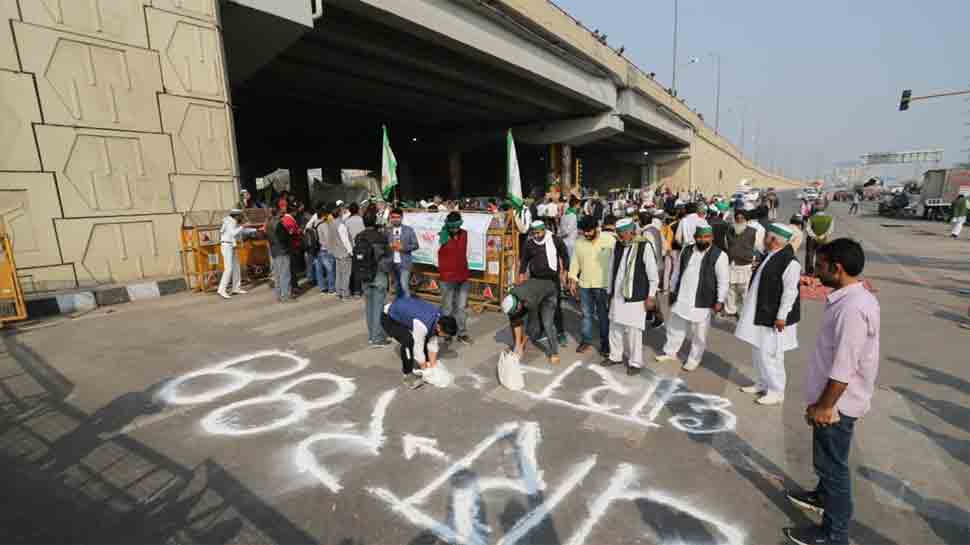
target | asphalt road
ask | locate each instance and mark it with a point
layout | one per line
(169, 422)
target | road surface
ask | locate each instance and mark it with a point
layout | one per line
(278, 425)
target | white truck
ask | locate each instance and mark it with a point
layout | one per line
(939, 189)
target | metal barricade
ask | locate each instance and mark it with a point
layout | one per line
(12, 305)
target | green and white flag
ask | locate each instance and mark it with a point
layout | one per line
(388, 168)
(513, 188)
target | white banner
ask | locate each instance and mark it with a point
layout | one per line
(427, 225)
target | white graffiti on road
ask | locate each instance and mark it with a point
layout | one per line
(707, 413)
(371, 442)
(466, 526)
(239, 378)
(620, 488)
(223, 421)
(466, 522)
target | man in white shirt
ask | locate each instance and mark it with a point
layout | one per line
(687, 226)
(700, 285)
(403, 241)
(230, 235)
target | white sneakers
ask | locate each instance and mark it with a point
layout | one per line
(753, 389)
(770, 398)
(224, 295)
(239, 292)
(664, 358)
(691, 365)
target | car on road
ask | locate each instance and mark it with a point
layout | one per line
(809, 193)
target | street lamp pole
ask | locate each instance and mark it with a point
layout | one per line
(673, 84)
(717, 94)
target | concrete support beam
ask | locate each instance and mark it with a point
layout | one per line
(575, 132)
(454, 173)
(456, 27)
(637, 109)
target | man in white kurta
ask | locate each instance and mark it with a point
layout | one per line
(769, 344)
(687, 226)
(686, 313)
(628, 318)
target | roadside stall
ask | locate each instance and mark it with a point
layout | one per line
(493, 256)
(201, 255)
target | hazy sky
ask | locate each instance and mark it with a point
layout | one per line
(819, 81)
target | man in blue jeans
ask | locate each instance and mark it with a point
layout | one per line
(326, 265)
(839, 382)
(403, 240)
(589, 270)
(373, 278)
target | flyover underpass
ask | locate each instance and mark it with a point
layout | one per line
(319, 101)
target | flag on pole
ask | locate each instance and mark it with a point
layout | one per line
(513, 180)
(388, 167)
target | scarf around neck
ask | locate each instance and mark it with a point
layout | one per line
(631, 264)
(445, 234)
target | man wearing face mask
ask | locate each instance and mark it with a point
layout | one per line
(633, 292)
(770, 315)
(453, 268)
(739, 244)
(700, 285)
(543, 258)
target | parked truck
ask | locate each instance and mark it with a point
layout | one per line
(939, 189)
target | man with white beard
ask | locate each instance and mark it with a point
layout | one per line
(770, 316)
(740, 244)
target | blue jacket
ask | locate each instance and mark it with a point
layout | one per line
(409, 243)
(405, 310)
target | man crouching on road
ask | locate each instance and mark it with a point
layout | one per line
(416, 325)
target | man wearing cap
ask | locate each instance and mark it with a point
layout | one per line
(544, 259)
(819, 229)
(770, 315)
(633, 288)
(230, 234)
(700, 285)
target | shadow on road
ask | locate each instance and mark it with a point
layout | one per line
(65, 484)
(952, 413)
(935, 376)
(958, 448)
(950, 522)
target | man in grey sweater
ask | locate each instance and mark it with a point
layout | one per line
(355, 226)
(342, 250)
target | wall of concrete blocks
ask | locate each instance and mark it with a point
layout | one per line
(114, 120)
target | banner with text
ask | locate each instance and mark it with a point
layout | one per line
(427, 225)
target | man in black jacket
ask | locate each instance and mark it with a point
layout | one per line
(543, 257)
(770, 316)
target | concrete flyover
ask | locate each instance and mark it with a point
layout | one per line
(125, 114)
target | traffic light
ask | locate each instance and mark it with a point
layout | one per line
(904, 101)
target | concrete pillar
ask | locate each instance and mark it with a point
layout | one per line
(567, 169)
(454, 173)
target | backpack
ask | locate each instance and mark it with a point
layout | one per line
(365, 258)
(311, 241)
(280, 234)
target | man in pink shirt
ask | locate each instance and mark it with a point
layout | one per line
(840, 379)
